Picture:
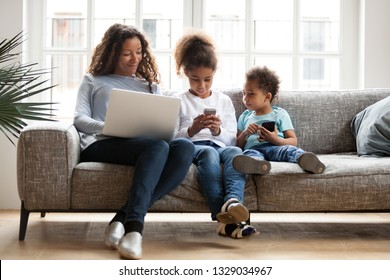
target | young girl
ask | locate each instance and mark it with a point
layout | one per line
(208, 118)
(263, 143)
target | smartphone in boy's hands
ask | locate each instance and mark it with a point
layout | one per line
(270, 126)
(209, 111)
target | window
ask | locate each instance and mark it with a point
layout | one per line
(300, 39)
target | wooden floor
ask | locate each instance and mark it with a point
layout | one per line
(291, 236)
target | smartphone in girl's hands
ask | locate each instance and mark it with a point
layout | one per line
(209, 111)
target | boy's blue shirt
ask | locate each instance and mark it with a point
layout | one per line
(279, 115)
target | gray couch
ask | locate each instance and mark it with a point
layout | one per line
(51, 179)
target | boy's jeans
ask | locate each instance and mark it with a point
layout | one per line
(270, 152)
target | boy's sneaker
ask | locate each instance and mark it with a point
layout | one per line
(251, 165)
(310, 162)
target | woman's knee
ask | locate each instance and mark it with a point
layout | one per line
(158, 143)
(155, 146)
(182, 145)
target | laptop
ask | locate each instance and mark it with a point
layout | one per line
(133, 114)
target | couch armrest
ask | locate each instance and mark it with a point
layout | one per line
(47, 152)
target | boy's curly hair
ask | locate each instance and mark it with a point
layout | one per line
(265, 79)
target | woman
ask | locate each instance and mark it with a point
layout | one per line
(124, 60)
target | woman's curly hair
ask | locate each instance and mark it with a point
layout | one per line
(107, 52)
(265, 79)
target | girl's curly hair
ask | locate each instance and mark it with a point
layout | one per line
(107, 52)
(193, 50)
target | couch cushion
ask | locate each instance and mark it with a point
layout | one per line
(189, 197)
(349, 183)
(105, 186)
(371, 128)
(322, 118)
(98, 185)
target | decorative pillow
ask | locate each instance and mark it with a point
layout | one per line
(371, 128)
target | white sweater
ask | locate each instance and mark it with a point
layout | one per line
(192, 106)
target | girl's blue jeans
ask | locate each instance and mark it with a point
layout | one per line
(218, 185)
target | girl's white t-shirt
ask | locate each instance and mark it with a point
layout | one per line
(192, 106)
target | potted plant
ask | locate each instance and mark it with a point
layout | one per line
(18, 82)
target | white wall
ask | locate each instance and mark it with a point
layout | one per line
(11, 23)
(9, 198)
(373, 55)
(377, 44)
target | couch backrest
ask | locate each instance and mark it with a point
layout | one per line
(321, 118)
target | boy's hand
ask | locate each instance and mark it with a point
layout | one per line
(243, 135)
(266, 135)
(251, 129)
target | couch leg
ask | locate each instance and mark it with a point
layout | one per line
(23, 222)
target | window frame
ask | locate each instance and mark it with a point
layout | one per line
(194, 15)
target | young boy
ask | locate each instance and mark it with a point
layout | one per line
(265, 132)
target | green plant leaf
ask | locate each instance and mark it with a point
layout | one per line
(18, 82)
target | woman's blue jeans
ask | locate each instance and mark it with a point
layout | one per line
(159, 167)
(218, 185)
(286, 153)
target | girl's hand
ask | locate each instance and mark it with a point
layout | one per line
(197, 125)
(213, 123)
(266, 135)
